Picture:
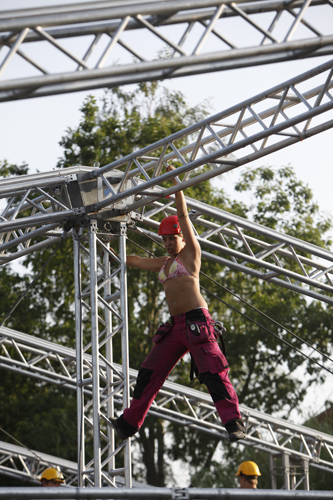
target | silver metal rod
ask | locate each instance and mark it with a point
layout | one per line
(36, 220)
(26, 493)
(109, 358)
(13, 49)
(94, 14)
(125, 345)
(19, 186)
(95, 352)
(166, 64)
(79, 358)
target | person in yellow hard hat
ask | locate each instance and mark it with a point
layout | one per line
(248, 473)
(52, 477)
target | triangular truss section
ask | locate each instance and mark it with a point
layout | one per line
(99, 44)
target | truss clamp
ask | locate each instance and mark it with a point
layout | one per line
(180, 493)
(136, 216)
(79, 211)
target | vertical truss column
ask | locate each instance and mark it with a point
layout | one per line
(286, 471)
(109, 357)
(273, 471)
(95, 353)
(79, 358)
(305, 465)
(125, 344)
(101, 313)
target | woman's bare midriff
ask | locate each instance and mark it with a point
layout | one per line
(183, 295)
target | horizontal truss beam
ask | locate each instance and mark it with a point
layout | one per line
(88, 41)
(53, 363)
(272, 120)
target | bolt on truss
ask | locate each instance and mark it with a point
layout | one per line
(55, 364)
(63, 49)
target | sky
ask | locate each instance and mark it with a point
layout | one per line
(30, 130)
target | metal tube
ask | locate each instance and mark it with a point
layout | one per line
(125, 345)
(26, 493)
(168, 64)
(95, 83)
(272, 469)
(305, 465)
(13, 49)
(79, 358)
(286, 470)
(95, 351)
(95, 14)
(28, 236)
(109, 358)
(19, 186)
(36, 220)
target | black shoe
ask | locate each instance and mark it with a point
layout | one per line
(114, 424)
(236, 436)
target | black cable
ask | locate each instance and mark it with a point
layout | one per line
(267, 330)
(34, 280)
(247, 317)
(266, 316)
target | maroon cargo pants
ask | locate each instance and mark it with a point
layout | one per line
(194, 332)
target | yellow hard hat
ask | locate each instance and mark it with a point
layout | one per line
(52, 474)
(248, 469)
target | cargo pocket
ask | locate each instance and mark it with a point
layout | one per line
(212, 358)
(162, 331)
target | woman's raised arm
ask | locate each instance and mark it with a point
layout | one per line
(192, 245)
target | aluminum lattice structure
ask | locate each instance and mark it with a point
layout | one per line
(252, 129)
(106, 44)
(96, 206)
(185, 406)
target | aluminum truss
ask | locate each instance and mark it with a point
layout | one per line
(106, 200)
(53, 363)
(83, 43)
(27, 465)
(50, 200)
(91, 301)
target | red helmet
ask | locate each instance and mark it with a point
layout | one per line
(169, 225)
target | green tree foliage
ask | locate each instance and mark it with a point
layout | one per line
(263, 370)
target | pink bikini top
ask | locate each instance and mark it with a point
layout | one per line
(177, 270)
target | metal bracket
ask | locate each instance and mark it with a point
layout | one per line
(123, 229)
(93, 226)
(136, 216)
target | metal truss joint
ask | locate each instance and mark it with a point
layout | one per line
(93, 226)
(136, 216)
(180, 493)
(78, 211)
(123, 229)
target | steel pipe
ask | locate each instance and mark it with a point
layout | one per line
(24, 493)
